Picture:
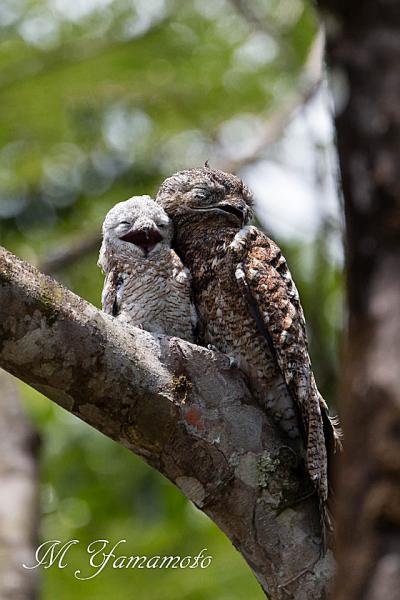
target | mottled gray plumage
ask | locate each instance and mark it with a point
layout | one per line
(146, 283)
(249, 307)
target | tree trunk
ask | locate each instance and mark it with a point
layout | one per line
(18, 497)
(364, 60)
(183, 409)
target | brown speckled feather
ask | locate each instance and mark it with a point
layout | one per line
(266, 283)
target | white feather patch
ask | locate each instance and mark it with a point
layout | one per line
(239, 273)
(240, 237)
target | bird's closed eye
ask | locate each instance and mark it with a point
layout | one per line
(124, 223)
(201, 193)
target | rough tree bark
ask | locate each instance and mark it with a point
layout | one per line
(18, 497)
(364, 58)
(182, 409)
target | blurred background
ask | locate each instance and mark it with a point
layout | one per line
(100, 100)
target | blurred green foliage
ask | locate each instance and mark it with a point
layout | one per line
(100, 100)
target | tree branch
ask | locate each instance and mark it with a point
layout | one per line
(182, 409)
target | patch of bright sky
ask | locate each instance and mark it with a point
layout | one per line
(40, 29)
(147, 14)
(126, 130)
(74, 10)
(295, 183)
(10, 11)
(259, 49)
(239, 135)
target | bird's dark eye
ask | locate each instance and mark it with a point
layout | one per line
(162, 225)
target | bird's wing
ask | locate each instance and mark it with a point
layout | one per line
(273, 300)
(112, 293)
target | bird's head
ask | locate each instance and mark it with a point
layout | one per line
(216, 198)
(136, 228)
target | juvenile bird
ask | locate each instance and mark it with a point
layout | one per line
(249, 307)
(146, 284)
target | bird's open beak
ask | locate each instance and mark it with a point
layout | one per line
(145, 238)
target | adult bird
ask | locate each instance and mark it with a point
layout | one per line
(249, 308)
